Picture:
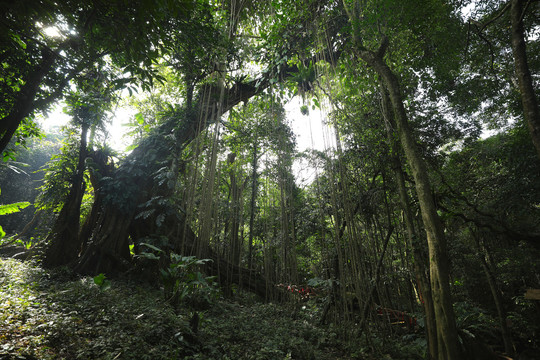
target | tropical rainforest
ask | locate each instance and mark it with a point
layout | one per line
(411, 231)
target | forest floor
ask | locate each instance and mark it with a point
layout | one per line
(57, 315)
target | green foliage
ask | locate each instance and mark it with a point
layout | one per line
(173, 51)
(20, 180)
(265, 332)
(491, 183)
(477, 322)
(10, 209)
(182, 282)
(102, 282)
(27, 130)
(55, 315)
(59, 172)
(13, 208)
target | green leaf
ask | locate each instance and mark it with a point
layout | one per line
(140, 119)
(98, 279)
(19, 41)
(102, 281)
(13, 208)
(152, 247)
(149, 256)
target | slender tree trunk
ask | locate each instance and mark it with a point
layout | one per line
(63, 240)
(234, 205)
(487, 266)
(252, 203)
(413, 241)
(371, 293)
(447, 338)
(529, 101)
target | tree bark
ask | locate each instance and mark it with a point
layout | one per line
(109, 252)
(252, 202)
(236, 190)
(24, 104)
(63, 240)
(447, 338)
(413, 241)
(100, 169)
(531, 110)
(487, 266)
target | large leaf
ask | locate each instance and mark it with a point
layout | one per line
(13, 208)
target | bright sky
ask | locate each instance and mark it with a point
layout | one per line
(311, 133)
(120, 116)
(310, 130)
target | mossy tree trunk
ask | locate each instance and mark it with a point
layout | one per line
(531, 110)
(108, 248)
(447, 338)
(25, 102)
(422, 278)
(63, 242)
(100, 168)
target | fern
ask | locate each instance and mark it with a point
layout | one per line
(10, 209)
(13, 208)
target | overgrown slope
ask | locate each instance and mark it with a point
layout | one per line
(54, 315)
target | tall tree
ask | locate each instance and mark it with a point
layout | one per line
(215, 95)
(447, 338)
(529, 97)
(87, 107)
(47, 44)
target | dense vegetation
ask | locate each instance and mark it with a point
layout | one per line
(416, 233)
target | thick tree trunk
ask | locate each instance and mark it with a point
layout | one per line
(529, 101)
(104, 248)
(412, 237)
(63, 240)
(100, 169)
(108, 249)
(24, 104)
(109, 252)
(447, 338)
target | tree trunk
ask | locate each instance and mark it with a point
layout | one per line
(447, 338)
(531, 111)
(186, 128)
(234, 206)
(63, 240)
(99, 170)
(371, 293)
(412, 237)
(252, 203)
(109, 252)
(24, 104)
(487, 266)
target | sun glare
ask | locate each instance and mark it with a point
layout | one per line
(52, 31)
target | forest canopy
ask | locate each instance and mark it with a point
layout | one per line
(421, 208)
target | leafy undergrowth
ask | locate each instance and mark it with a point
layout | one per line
(55, 315)
(45, 315)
